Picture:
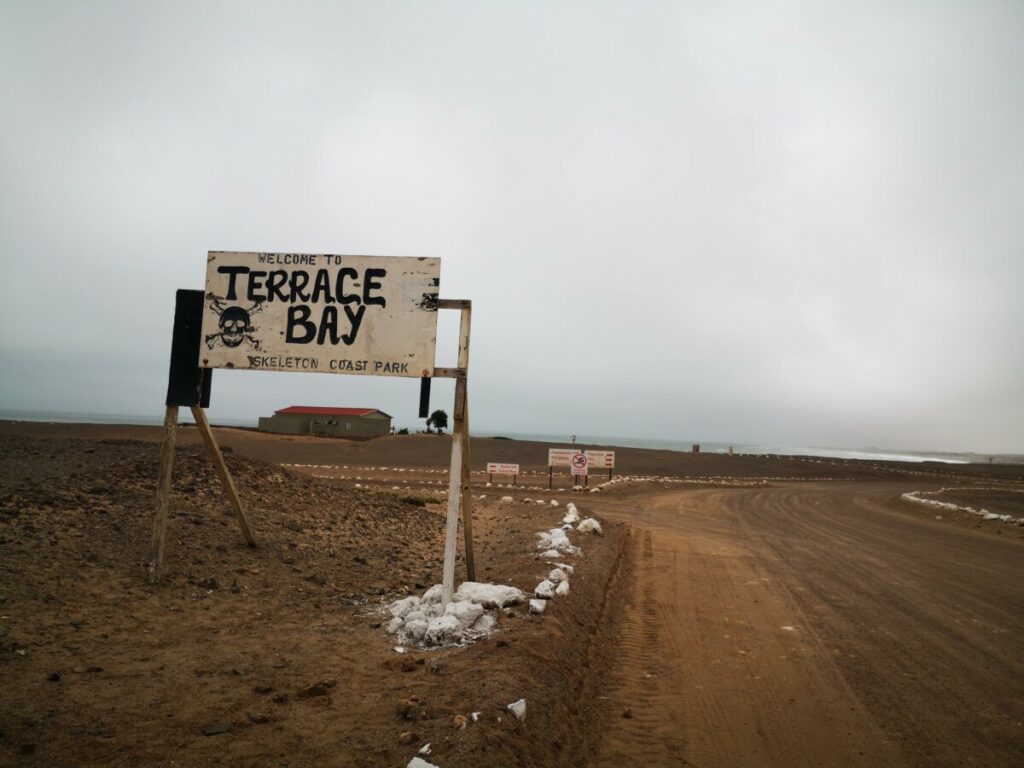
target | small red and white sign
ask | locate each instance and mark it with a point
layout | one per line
(600, 459)
(579, 464)
(493, 468)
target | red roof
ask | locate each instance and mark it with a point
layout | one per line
(312, 410)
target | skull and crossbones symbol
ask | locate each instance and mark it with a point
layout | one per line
(235, 325)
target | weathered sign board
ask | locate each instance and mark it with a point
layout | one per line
(369, 315)
(579, 464)
(600, 459)
(560, 457)
(322, 313)
(495, 468)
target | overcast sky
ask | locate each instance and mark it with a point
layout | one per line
(762, 222)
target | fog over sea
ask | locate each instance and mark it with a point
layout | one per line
(607, 441)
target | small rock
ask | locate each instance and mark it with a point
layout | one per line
(460, 722)
(409, 664)
(518, 708)
(628, 713)
(209, 583)
(215, 728)
(93, 669)
(259, 717)
(281, 698)
(263, 689)
(316, 689)
(545, 590)
(53, 677)
(407, 737)
(410, 709)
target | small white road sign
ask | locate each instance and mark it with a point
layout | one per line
(579, 464)
(494, 468)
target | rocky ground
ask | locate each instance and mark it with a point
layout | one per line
(277, 655)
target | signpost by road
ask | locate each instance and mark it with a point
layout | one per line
(566, 457)
(558, 457)
(495, 468)
(601, 460)
(578, 466)
(322, 313)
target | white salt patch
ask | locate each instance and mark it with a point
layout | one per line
(557, 575)
(506, 499)
(443, 629)
(556, 538)
(545, 589)
(400, 608)
(484, 625)
(538, 606)
(489, 595)
(590, 525)
(419, 762)
(563, 588)
(465, 612)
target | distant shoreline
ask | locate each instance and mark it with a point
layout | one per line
(868, 454)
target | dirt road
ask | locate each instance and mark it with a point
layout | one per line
(816, 625)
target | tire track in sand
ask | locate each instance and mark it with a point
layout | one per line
(710, 672)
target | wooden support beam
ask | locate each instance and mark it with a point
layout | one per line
(462, 426)
(459, 496)
(451, 533)
(163, 493)
(449, 373)
(222, 470)
(454, 304)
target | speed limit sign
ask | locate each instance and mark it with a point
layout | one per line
(579, 464)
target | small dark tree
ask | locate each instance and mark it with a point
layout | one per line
(438, 420)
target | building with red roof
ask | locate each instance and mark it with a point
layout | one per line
(327, 422)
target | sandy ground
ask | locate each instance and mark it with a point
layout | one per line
(737, 611)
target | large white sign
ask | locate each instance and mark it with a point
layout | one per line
(502, 469)
(560, 457)
(370, 315)
(600, 459)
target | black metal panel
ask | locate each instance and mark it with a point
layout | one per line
(188, 384)
(424, 397)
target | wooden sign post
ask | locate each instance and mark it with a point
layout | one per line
(458, 473)
(189, 385)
